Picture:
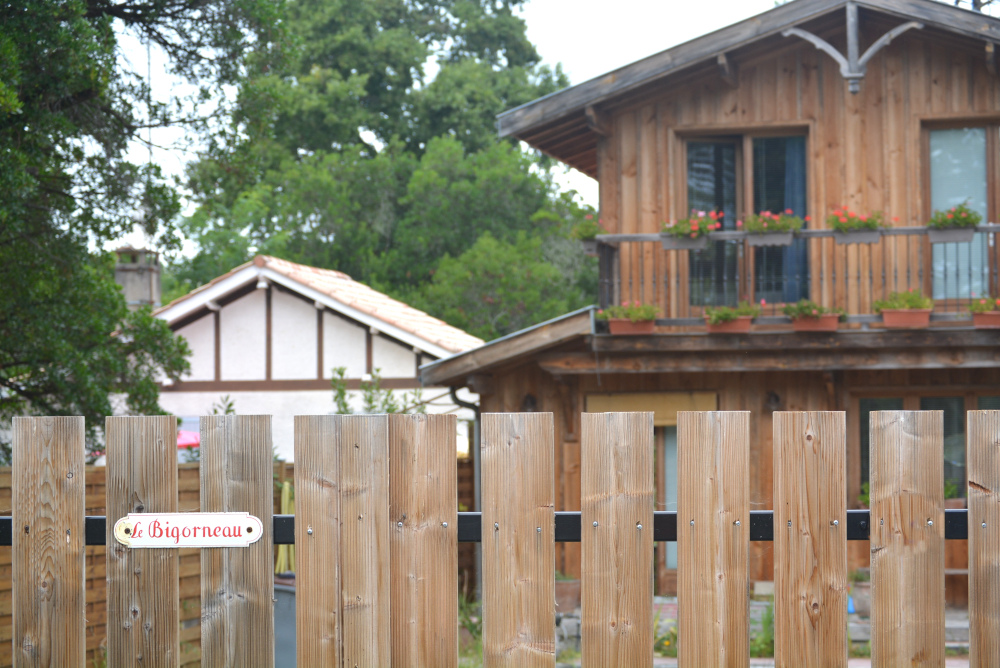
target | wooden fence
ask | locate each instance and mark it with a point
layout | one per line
(376, 538)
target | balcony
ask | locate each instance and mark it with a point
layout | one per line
(851, 277)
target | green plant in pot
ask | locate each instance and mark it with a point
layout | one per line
(586, 231)
(808, 316)
(630, 318)
(905, 310)
(850, 227)
(957, 224)
(690, 233)
(731, 319)
(772, 229)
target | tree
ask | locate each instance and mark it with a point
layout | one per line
(67, 113)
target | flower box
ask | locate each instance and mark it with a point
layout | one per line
(822, 323)
(671, 242)
(857, 237)
(772, 239)
(948, 235)
(590, 247)
(741, 325)
(907, 318)
(626, 326)
(987, 320)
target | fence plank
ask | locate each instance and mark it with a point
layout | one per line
(984, 541)
(364, 557)
(810, 539)
(713, 538)
(907, 538)
(143, 587)
(237, 585)
(48, 543)
(617, 495)
(317, 541)
(518, 493)
(423, 544)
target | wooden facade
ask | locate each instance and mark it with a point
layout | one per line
(868, 151)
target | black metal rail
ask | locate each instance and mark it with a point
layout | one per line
(568, 529)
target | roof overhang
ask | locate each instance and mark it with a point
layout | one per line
(563, 114)
(252, 273)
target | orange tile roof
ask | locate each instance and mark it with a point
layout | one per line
(342, 288)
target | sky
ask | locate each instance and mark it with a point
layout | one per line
(587, 37)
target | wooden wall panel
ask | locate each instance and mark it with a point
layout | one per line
(984, 538)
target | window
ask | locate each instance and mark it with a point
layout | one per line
(716, 181)
(959, 173)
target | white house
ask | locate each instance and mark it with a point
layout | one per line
(270, 332)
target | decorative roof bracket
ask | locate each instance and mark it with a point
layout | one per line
(852, 67)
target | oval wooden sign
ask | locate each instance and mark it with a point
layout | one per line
(188, 530)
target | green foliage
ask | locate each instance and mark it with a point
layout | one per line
(766, 222)
(806, 308)
(698, 224)
(956, 216)
(952, 490)
(719, 314)
(845, 220)
(984, 305)
(634, 311)
(374, 399)
(664, 643)
(860, 649)
(762, 643)
(864, 498)
(498, 287)
(912, 299)
(858, 575)
(470, 617)
(588, 228)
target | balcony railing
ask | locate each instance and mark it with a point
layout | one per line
(852, 277)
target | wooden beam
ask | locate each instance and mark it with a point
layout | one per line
(585, 363)
(991, 63)
(726, 71)
(455, 370)
(597, 121)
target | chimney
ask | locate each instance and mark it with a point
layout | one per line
(138, 272)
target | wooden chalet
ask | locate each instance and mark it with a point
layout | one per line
(877, 105)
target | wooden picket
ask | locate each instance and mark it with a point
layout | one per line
(48, 544)
(907, 538)
(423, 554)
(237, 583)
(377, 529)
(143, 585)
(713, 525)
(983, 462)
(810, 539)
(617, 535)
(518, 540)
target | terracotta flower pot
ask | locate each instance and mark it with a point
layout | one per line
(670, 242)
(822, 323)
(907, 318)
(771, 239)
(988, 320)
(741, 325)
(626, 326)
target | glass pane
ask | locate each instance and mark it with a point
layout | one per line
(954, 441)
(711, 174)
(988, 404)
(958, 174)
(867, 406)
(781, 274)
(670, 485)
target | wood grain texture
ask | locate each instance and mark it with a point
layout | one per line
(143, 586)
(318, 639)
(983, 459)
(518, 559)
(713, 536)
(364, 531)
(810, 551)
(48, 544)
(617, 583)
(237, 585)
(907, 538)
(423, 540)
